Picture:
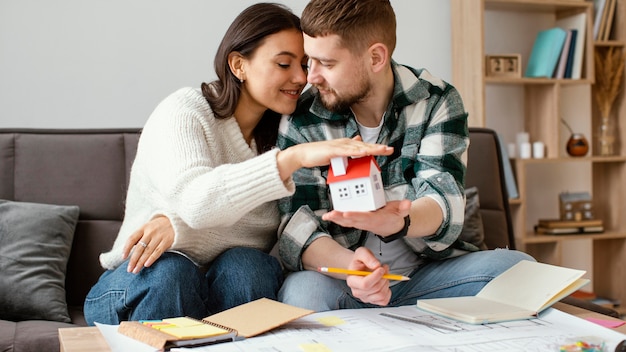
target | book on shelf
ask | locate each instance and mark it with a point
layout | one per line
(606, 22)
(246, 320)
(558, 223)
(609, 20)
(564, 227)
(598, 9)
(545, 53)
(568, 230)
(579, 23)
(521, 292)
(559, 73)
(570, 54)
(509, 177)
(593, 298)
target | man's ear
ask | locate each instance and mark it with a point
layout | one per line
(379, 56)
(236, 62)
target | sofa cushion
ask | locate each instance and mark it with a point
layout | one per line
(37, 336)
(473, 230)
(35, 244)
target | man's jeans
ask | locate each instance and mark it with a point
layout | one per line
(460, 276)
(173, 286)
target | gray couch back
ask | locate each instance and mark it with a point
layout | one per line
(89, 168)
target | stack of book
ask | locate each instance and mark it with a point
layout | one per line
(564, 227)
(558, 52)
(593, 298)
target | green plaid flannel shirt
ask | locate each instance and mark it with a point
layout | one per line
(426, 124)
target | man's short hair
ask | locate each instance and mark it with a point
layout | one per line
(359, 23)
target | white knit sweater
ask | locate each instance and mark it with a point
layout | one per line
(200, 172)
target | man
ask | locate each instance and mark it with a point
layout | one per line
(358, 90)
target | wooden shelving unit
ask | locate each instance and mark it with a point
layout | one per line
(492, 27)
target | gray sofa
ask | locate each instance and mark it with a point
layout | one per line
(89, 169)
(84, 168)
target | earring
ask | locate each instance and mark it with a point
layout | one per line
(241, 80)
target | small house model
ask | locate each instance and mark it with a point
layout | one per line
(355, 184)
(576, 206)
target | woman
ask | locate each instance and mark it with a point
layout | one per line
(206, 166)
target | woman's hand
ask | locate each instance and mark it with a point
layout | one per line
(147, 244)
(319, 153)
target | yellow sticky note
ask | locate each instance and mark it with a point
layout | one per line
(331, 321)
(182, 321)
(197, 331)
(162, 326)
(314, 347)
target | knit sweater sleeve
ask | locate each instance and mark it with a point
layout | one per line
(202, 168)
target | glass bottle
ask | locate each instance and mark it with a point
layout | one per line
(606, 137)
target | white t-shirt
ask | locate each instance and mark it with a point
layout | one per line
(397, 254)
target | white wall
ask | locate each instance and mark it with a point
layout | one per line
(99, 64)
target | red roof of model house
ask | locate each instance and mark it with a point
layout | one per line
(357, 168)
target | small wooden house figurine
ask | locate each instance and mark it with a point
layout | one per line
(576, 206)
(355, 184)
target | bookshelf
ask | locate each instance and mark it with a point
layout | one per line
(536, 105)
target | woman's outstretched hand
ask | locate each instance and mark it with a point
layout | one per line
(319, 153)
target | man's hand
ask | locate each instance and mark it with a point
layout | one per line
(383, 222)
(371, 288)
(147, 244)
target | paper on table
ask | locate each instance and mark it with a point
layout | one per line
(369, 330)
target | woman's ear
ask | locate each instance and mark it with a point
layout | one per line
(379, 56)
(236, 62)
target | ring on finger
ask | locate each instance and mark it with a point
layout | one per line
(143, 244)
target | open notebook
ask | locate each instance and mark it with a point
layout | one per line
(521, 292)
(247, 320)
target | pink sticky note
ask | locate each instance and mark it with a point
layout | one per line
(607, 323)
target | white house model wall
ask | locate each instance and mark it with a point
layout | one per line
(356, 184)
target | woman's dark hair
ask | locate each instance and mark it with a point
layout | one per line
(245, 35)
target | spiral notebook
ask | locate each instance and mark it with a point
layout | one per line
(246, 320)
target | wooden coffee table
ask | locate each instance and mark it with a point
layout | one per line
(83, 339)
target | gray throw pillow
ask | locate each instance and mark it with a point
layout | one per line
(473, 230)
(35, 244)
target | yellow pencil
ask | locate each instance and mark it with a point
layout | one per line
(397, 277)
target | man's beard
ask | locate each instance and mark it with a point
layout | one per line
(343, 103)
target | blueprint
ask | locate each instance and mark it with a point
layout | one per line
(410, 329)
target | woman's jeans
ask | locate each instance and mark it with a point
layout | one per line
(460, 276)
(173, 286)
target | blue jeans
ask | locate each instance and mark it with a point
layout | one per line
(173, 286)
(459, 276)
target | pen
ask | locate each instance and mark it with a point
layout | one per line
(397, 277)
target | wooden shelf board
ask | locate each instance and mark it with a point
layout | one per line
(591, 159)
(515, 201)
(536, 5)
(533, 238)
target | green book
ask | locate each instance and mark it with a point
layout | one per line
(546, 52)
